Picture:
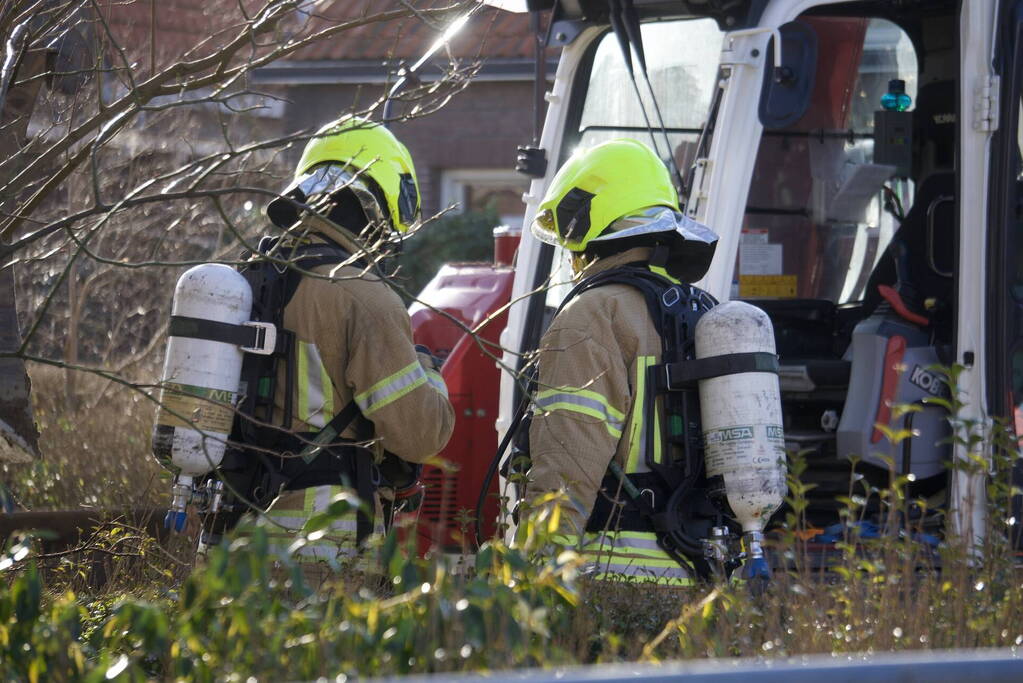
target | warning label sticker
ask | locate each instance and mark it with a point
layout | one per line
(186, 405)
(775, 286)
(729, 434)
(725, 444)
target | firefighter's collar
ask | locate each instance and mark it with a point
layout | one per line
(636, 254)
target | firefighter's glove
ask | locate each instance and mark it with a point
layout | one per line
(400, 483)
(428, 360)
(396, 473)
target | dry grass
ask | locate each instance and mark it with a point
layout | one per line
(95, 446)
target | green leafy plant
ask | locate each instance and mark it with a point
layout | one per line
(241, 613)
(451, 238)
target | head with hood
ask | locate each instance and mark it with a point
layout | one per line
(617, 196)
(356, 174)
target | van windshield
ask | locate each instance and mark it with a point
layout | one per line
(682, 60)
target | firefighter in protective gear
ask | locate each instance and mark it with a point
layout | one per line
(355, 186)
(611, 205)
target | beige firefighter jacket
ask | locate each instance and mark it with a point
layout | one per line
(353, 340)
(588, 409)
(585, 396)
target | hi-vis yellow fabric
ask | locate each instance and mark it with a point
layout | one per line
(589, 409)
(354, 341)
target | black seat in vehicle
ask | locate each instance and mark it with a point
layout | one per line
(925, 242)
(926, 238)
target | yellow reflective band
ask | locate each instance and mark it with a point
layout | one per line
(641, 547)
(645, 578)
(582, 410)
(303, 389)
(637, 430)
(609, 556)
(664, 273)
(583, 402)
(658, 454)
(622, 550)
(315, 388)
(645, 541)
(594, 398)
(567, 540)
(391, 388)
(437, 382)
(626, 566)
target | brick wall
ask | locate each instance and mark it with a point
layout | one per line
(479, 128)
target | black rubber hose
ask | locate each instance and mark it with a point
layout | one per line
(494, 464)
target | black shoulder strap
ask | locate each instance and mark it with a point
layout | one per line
(303, 259)
(361, 466)
(650, 284)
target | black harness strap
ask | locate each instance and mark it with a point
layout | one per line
(248, 336)
(666, 301)
(330, 431)
(686, 374)
(666, 537)
(362, 465)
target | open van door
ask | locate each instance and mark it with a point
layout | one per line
(1005, 231)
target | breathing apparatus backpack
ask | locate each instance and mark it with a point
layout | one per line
(263, 457)
(676, 499)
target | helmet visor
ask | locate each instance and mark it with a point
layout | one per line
(544, 228)
(320, 182)
(326, 179)
(658, 219)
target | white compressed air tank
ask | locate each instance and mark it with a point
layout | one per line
(200, 380)
(741, 415)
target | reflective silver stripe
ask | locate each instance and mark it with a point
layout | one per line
(314, 553)
(391, 388)
(322, 495)
(611, 541)
(437, 382)
(549, 401)
(637, 566)
(294, 524)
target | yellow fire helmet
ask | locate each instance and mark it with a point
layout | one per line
(356, 154)
(618, 195)
(599, 185)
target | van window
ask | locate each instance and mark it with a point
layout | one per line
(815, 222)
